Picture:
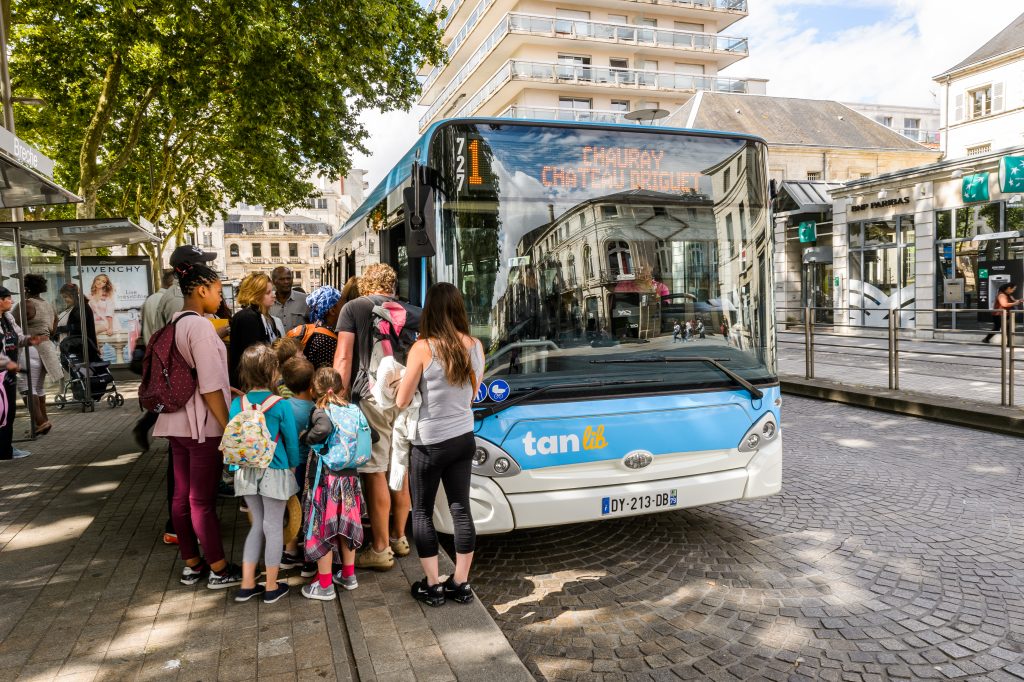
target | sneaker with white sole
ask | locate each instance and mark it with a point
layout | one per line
(18, 454)
(314, 591)
(349, 583)
(190, 575)
(383, 560)
(289, 561)
(271, 596)
(400, 546)
(231, 575)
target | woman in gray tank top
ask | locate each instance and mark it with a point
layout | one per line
(446, 366)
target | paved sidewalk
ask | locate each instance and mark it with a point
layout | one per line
(89, 592)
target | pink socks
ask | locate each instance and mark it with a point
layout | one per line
(348, 571)
(325, 579)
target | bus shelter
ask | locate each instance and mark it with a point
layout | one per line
(67, 239)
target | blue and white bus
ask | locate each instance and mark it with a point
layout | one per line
(619, 277)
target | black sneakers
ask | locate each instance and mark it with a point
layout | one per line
(461, 593)
(231, 575)
(190, 575)
(431, 595)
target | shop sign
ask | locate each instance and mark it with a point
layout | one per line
(1011, 174)
(808, 231)
(974, 188)
(881, 203)
(24, 153)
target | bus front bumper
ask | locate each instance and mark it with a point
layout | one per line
(495, 512)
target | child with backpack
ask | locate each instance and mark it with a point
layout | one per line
(261, 440)
(340, 437)
(297, 374)
(185, 382)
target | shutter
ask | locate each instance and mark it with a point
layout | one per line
(997, 97)
(958, 115)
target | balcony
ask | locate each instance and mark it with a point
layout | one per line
(723, 50)
(733, 6)
(556, 114)
(927, 137)
(590, 77)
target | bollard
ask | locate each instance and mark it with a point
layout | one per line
(1010, 359)
(808, 343)
(1004, 334)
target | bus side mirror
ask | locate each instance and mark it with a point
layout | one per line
(420, 239)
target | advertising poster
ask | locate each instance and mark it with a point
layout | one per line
(115, 289)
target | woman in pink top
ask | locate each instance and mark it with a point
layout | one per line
(195, 430)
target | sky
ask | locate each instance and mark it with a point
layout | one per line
(875, 51)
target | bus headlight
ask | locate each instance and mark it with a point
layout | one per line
(763, 431)
(490, 460)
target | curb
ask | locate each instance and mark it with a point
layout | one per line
(974, 415)
(473, 645)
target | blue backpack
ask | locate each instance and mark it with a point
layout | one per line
(348, 446)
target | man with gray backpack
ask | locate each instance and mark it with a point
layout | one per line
(372, 326)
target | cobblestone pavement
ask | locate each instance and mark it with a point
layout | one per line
(895, 551)
(953, 369)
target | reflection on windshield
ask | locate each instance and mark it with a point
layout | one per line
(563, 264)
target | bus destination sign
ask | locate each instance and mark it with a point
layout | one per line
(620, 168)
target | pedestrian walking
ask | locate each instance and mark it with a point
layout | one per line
(289, 304)
(13, 339)
(194, 430)
(352, 362)
(261, 436)
(446, 366)
(1004, 301)
(43, 359)
(333, 504)
(701, 330)
(677, 331)
(252, 324)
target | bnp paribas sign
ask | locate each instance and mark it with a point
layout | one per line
(1011, 174)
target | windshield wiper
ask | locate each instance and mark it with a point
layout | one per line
(754, 391)
(495, 408)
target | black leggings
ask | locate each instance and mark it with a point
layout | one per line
(10, 386)
(449, 462)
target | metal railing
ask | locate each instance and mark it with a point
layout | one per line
(1007, 343)
(720, 5)
(556, 114)
(920, 135)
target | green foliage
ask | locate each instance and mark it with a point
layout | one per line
(166, 108)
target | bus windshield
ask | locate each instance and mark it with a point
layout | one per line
(591, 256)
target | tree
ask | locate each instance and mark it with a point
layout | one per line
(162, 108)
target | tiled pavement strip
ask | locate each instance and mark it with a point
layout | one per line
(89, 592)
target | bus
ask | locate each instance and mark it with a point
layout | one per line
(619, 277)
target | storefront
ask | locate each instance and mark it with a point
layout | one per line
(803, 250)
(941, 237)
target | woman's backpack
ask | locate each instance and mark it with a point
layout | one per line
(349, 444)
(168, 381)
(246, 441)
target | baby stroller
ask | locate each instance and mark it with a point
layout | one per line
(88, 382)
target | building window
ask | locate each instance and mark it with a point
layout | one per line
(620, 262)
(979, 149)
(574, 108)
(369, 246)
(727, 179)
(257, 250)
(233, 250)
(298, 275)
(814, 176)
(314, 251)
(588, 263)
(620, 106)
(317, 203)
(275, 250)
(293, 250)
(572, 270)
(208, 240)
(911, 125)
(730, 235)
(274, 225)
(980, 101)
(882, 255)
(885, 120)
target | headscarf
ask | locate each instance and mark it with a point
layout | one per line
(321, 301)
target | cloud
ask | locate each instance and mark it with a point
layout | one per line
(391, 135)
(890, 59)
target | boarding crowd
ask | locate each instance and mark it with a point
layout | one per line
(325, 411)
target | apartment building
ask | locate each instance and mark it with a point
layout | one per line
(258, 241)
(582, 60)
(920, 124)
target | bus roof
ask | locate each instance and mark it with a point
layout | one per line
(402, 170)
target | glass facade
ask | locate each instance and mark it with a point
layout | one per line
(881, 271)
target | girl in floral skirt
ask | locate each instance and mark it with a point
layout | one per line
(332, 508)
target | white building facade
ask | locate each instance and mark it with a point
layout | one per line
(578, 60)
(920, 124)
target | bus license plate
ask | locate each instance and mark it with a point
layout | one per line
(638, 503)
